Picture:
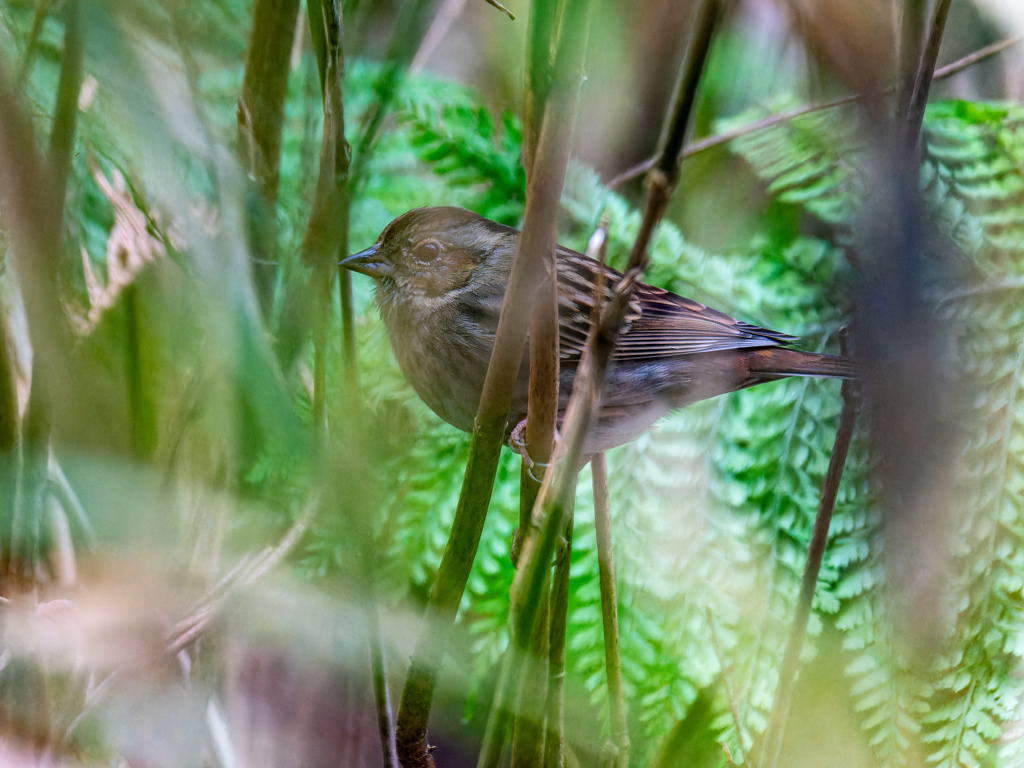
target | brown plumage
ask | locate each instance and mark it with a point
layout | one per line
(441, 275)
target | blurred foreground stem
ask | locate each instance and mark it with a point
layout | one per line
(327, 234)
(32, 194)
(260, 122)
(609, 610)
(542, 410)
(543, 75)
(554, 738)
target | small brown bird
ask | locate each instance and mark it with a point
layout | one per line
(441, 275)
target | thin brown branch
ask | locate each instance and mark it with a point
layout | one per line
(500, 7)
(381, 692)
(609, 611)
(710, 142)
(971, 59)
(772, 744)
(767, 122)
(911, 39)
(925, 73)
(663, 176)
(260, 120)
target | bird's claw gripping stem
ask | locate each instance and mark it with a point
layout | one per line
(517, 442)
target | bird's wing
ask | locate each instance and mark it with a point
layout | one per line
(659, 323)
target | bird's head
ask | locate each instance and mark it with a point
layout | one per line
(430, 253)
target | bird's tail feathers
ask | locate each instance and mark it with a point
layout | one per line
(778, 362)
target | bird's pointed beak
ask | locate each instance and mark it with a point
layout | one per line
(368, 262)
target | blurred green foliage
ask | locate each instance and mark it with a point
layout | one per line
(712, 511)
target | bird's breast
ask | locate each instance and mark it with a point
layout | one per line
(446, 365)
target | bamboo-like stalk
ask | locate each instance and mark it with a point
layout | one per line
(910, 388)
(544, 332)
(609, 610)
(554, 742)
(65, 115)
(529, 729)
(543, 403)
(327, 232)
(260, 121)
(554, 738)
(334, 76)
(540, 47)
(550, 514)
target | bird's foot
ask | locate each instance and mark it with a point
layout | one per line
(517, 442)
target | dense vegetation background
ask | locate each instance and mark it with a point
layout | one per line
(217, 519)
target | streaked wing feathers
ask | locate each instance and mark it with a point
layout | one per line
(659, 323)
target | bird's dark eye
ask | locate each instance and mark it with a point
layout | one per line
(426, 251)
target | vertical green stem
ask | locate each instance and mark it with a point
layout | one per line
(260, 126)
(554, 741)
(609, 610)
(529, 728)
(139, 410)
